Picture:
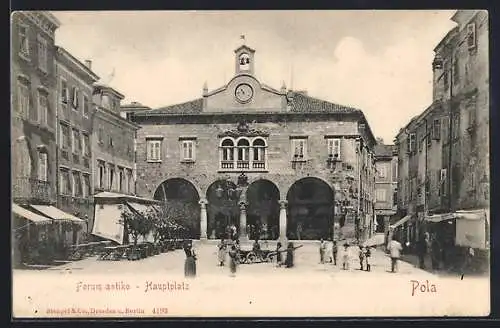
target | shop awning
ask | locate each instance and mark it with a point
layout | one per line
(28, 215)
(440, 217)
(400, 222)
(56, 214)
(471, 230)
(141, 208)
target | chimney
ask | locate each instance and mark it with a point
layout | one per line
(88, 63)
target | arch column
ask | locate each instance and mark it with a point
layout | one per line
(283, 219)
(243, 220)
(203, 218)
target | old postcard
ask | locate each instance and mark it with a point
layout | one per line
(250, 163)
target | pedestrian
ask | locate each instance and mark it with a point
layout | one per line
(421, 251)
(222, 252)
(334, 252)
(233, 260)
(469, 256)
(237, 244)
(322, 248)
(395, 249)
(190, 262)
(345, 257)
(289, 256)
(361, 256)
(278, 254)
(256, 248)
(435, 252)
(368, 254)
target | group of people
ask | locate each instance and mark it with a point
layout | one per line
(363, 253)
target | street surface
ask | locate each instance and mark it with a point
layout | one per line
(157, 287)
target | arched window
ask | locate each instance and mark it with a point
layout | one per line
(259, 150)
(227, 150)
(243, 147)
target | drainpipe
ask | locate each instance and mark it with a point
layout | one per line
(359, 189)
(450, 137)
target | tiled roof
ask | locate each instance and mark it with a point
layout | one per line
(189, 107)
(301, 103)
(383, 150)
(307, 104)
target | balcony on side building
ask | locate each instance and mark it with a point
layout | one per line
(31, 190)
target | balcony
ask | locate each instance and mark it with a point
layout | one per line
(227, 165)
(31, 190)
(242, 165)
(246, 166)
(259, 165)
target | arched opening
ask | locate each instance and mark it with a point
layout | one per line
(181, 201)
(222, 208)
(263, 210)
(310, 210)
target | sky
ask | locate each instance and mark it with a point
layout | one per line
(377, 61)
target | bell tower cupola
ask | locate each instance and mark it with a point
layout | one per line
(244, 60)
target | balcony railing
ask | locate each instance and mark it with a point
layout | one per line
(243, 165)
(259, 165)
(229, 165)
(32, 190)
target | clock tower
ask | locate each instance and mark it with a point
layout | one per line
(244, 60)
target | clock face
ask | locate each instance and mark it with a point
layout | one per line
(244, 93)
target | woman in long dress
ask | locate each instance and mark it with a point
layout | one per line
(221, 255)
(190, 263)
(289, 255)
(278, 254)
(233, 258)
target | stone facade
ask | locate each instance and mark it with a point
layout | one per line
(33, 119)
(386, 165)
(113, 145)
(449, 152)
(74, 114)
(186, 141)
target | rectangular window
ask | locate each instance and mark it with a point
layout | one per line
(412, 139)
(111, 178)
(23, 99)
(121, 178)
(24, 47)
(382, 170)
(64, 136)
(153, 150)
(42, 166)
(64, 91)
(299, 147)
(394, 171)
(456, 126)
(42, 54)
(472, 179)
(130, 182)
(436, 129)
(86, 190)
(102, 175)
(471, 111)
(64, 184)
(456, 69)
(188, 150)
(395, 198)
(471, 35)
(43, 107)
(77, 185)
(445, 75)
(380, 195)
(86, 144)
(86, 106)
(100, 135)
(75, 94)
(442, 182)
(333, 148)
(75, 142)
(110, 141)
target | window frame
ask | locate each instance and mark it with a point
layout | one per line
(75, 141)
(334, 147)
(43, 112)
(85, 105)
(23, 99)
(26, 44)
(75, 99)
(185, 144)
(43, 60)
(43, 158)
(154, 155)
(295, 143)
(64, 190)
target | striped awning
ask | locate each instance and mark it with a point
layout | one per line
(56, 214)
(400, 222)
(28, 215)
(440, 217)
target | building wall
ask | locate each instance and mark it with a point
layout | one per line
(30, 136)
(74, 119)
(119, 154)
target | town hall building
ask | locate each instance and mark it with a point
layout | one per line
(274, 163)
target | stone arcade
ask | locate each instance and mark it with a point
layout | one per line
(276, 164)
